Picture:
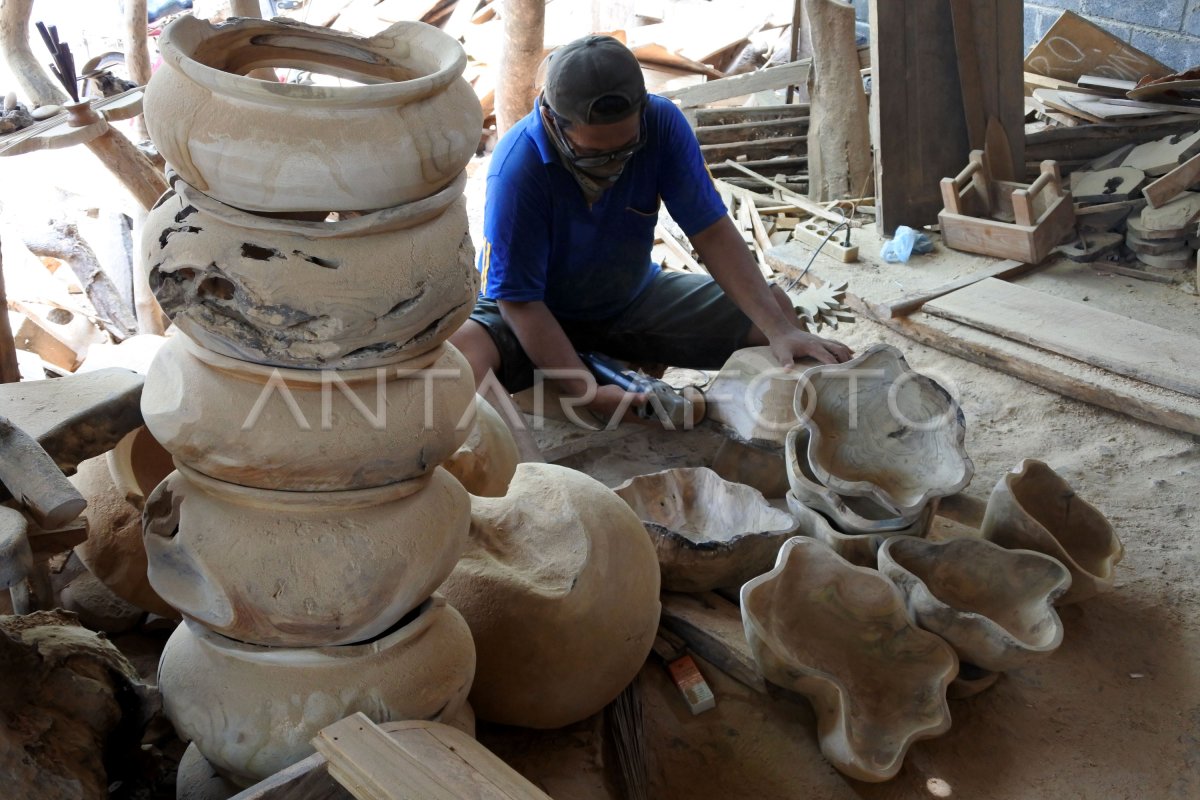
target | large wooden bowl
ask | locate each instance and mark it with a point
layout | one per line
(878, 429)
(708, 532)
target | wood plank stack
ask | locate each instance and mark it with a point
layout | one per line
(768, 139)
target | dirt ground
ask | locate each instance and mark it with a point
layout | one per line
(1114, 713)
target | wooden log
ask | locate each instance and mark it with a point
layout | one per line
(130, 165)
(137, 52)
(26, 67)
(839, 146)
(524, 28)
(62, 241)
(9, 372)
(35, 480)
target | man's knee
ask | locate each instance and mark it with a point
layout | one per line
(476, 345)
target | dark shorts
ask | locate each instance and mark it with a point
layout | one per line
(681, 320)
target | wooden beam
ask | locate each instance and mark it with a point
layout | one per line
(712, 628)
(757, 149)
(907, 304)
(738, 85)
(1092, 335)
(750, 114)
(763, 130)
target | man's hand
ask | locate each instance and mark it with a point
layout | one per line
(612, 402)
(794, 344)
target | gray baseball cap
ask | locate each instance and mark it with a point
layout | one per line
(581, 73)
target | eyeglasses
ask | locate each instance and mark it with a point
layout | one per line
(593, 160)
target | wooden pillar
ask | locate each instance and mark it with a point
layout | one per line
(839, 137)
(524, 28)
(26, 67)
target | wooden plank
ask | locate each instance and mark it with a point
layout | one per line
(367, 762)
(750, 114)
(750, 131)
(917, 122)
(679, 250)
(1066, 376)
(773, 166)
(795, 73)
(712, 628)
(1074, 47)
(1091, 335)
(907, 304)
(756, 150)
(1180, 179)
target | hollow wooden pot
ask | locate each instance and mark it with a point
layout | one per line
(301, 569)
(879, 429)
(354, 293)
(994, 606)
(251, 710)
(411, 125)
(307, 430)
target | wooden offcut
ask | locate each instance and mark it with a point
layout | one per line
(1094, 336)
(1178, 180)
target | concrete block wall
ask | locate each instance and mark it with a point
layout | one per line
(1169, 30)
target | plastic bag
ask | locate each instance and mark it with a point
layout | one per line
(904, 243)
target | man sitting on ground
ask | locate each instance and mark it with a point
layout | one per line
(573, 196)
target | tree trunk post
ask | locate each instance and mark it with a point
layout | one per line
(9, 372)
(524, 28)
(839, 138)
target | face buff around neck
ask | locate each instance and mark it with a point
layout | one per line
(592, 182)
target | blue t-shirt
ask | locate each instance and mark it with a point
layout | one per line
(543, 242)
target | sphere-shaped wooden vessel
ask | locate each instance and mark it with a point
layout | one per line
(356, 292)
(302, 569)
(252, 710)
(560, 587)
(403, 133)
(307, 430)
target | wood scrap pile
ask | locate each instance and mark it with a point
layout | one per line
(1135, 202)
(766, 219)
(1087, 90)
(769, 139)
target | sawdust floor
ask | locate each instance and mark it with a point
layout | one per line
(1114, 713)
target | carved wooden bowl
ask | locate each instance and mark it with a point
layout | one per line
(707, 532)
(1033, 508)
(850, 514)
(994, 606)
(858, 548)
(878, 429)
(839, 635)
